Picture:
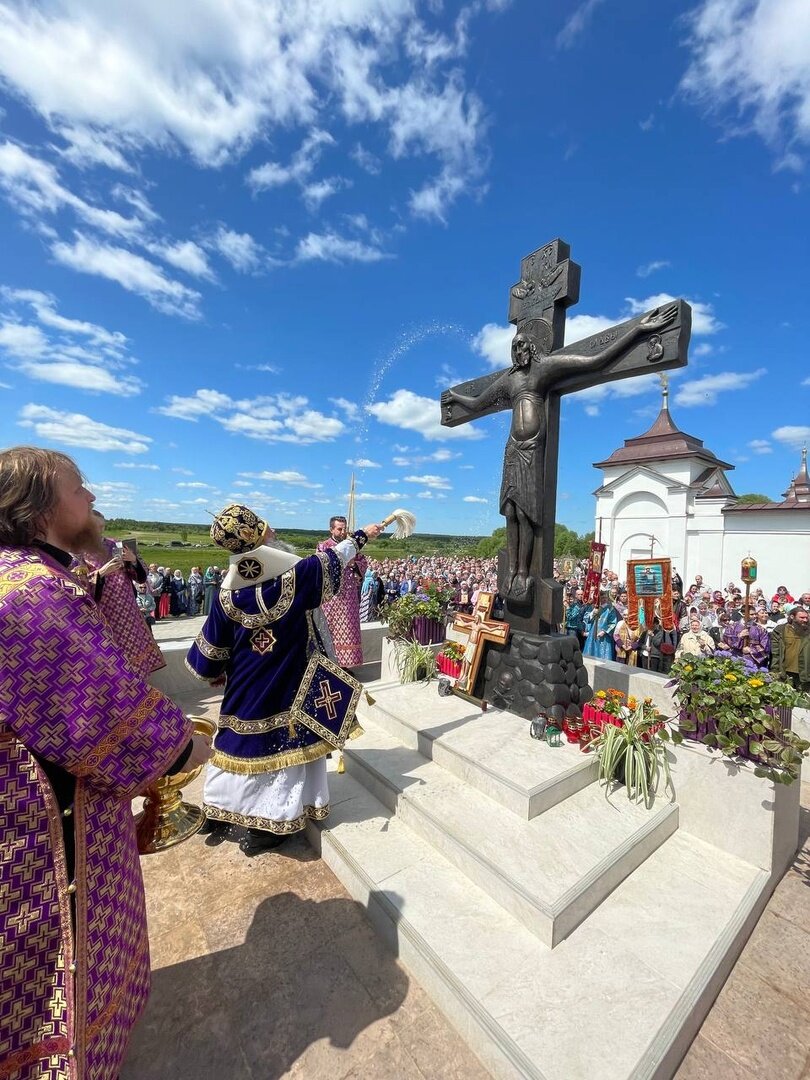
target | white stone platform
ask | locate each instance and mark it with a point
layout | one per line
(568, 936)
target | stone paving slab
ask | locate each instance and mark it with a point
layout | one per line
(265, 967)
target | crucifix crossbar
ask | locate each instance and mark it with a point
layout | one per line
(542, 371)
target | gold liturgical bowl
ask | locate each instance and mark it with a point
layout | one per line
(166, 820)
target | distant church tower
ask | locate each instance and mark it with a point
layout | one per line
(666, 484)
(663, 484)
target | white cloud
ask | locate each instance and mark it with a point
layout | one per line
(412, 412)
(75, 429)
(212, 79)
(430, 481)
(751, 68)
(576, 23)
(761, 446)
(578, 327)
(319, 191)
(474, 499)
(22, 341)
(193, 484)
(806, 382)
(137, 465)
(131, 271)
(651, 267)
(93, 363)
(182, 471)
(33, 186)
(330, 247)
(86, 148)
(367, 161)
(284, 476)
(89, 377)
(388, 496)
(240, 249)
(273, 418)
(44, 305)
(703, 348)
(351, 409)
(301, 165)
(705, 391)
(185, 255)
(792, 435)
(364, 463)
(494, 343)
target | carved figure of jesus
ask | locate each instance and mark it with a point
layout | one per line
(535, 372)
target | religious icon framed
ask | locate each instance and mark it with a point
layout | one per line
(649, 591)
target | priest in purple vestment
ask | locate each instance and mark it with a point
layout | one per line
(80, 734)
(342, 611)
(268, 770)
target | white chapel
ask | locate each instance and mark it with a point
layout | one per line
(665, 494)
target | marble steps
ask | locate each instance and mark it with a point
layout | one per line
(491, 751)
(549, 873)
(619, 999)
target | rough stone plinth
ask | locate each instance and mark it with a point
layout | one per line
(537, 673)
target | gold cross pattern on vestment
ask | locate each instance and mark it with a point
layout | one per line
(327, 699)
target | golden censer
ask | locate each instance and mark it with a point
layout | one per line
(166, 820)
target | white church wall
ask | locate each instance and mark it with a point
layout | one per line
(778, 540)
(704, 543)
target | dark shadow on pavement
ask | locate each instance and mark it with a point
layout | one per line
(249, 1013)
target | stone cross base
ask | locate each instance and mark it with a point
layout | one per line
(537, 673)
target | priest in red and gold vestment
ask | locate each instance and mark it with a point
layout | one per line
(80, 734)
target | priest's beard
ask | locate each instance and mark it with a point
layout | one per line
(87, 541)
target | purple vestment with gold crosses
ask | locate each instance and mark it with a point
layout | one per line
(120, 609)
(75, 959)
(342, 612)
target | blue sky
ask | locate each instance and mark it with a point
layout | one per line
(245, 244)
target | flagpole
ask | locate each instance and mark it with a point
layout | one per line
(350, 525)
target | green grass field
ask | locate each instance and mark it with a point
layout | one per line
(183, 546)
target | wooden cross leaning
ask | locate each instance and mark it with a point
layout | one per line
(480, 629)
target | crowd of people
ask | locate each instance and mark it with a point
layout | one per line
(772, 634)
(166, 593)
(461, 577)
(769, 633)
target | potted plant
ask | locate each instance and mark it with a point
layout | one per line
(632, 751)
(420, 616)
(449, 659)
(740, 711)
(415, 662)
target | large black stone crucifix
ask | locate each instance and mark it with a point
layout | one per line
(542, 371)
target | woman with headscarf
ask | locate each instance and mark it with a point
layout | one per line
(164, 603)
(211, 583)
(195, 589)
(368, 597)
(177, 594)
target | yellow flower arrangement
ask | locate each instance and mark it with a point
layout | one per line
(756, 682)
(730, 677)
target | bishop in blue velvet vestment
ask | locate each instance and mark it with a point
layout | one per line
(268, 770)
